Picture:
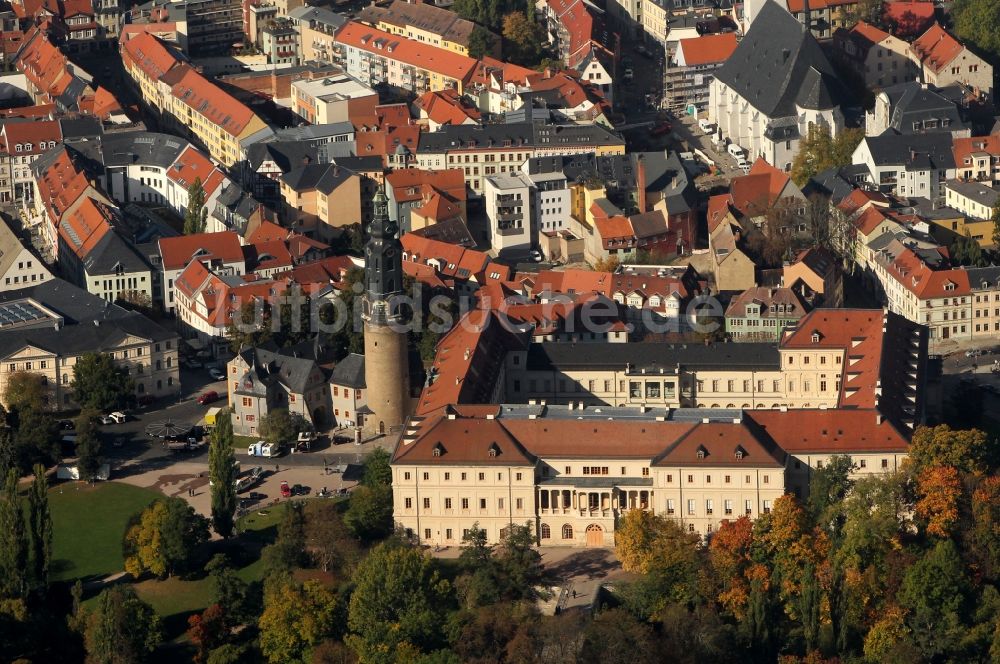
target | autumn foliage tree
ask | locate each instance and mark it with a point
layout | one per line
(940, 491)
(730, 554)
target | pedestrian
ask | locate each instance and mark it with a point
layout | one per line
(275, 467)
(574, 594)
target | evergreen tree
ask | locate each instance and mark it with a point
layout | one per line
(13, 543)
(39, 529)
(196, 215)
(88, 453)
(122, 628)
(223, 472)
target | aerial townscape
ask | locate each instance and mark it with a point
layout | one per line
(499, 331)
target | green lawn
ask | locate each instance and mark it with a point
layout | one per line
(88, 525)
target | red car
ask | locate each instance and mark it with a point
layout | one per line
(661, 129)
(208, 397)
(286, 492)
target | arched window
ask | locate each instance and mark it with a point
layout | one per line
(567, 531)
(546, 531)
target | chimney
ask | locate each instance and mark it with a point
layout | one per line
(640, 183)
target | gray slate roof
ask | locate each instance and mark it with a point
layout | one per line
(911, 102)
(143, 147)
(456, 137)
(89, 322)
(779, 65)
(350, 372)
(924, 151)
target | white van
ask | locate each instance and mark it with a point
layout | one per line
(706, 126)
(736, 151)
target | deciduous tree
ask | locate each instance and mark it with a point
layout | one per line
(939, 489)
(934, 592)
(377, 471)
(296, 617)
(730, 556)
(616, 637)
(278, 427)
(398, 600)
(968, 451)
(122, 629)
(26, 390)
(369, 514)
(207, 631)
(100, 384)
(977, 22)
(166, 539)
(523, 38)
(819, 151)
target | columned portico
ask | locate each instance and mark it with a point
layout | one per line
(575, 509)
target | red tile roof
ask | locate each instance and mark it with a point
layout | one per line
(908, 18)
(708, 49)
(149, 54)
(965, 148)
(207, 99)
(85, 226)
(408, 183)
(177, 252)
(869, 33)
(418, 54)
(193, 165)
(446, 107)
(936, 48)
(832, 431)
(29, 138)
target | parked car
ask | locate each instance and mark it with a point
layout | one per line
(286, 492)
(217, 373)
(256, 495)
(145, 400)
(661, 128)
(116, 417)
(66, 425)
(629, 74)
(535, 255)
(262, 449)
(208, 397)
(300, 490)
(194, 364)
(973, 353)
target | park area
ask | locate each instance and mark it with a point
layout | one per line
(89, 522)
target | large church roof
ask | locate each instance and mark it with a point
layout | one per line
(779, 65)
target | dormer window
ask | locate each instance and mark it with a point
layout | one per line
(739, 453)
(815, 337)
(702, 452)
(494, 450)
(438, 450)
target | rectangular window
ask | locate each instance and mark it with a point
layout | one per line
(482, 476)
(690, 505)
(500, 503)
(728, 505)
(482, 503)
(767, 507)
(447, 503)
(670, 505)
(427, 503)
(747, 507)
(465, 503)
(709, 506)
(408, 502)
(519, 503)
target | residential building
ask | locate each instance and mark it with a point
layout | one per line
(501, 148)
(374, 56)
(823, 17)
(46, 328)
(261, 380)
(985, 285)
(815, 275)
(915, 108)
(320, 198)
(213, 26)
(907, 165)
(413, 194)
(733, 268)
(332, 99)
(19, 266)
(508, 201)
(881, 59)
(580, 34)
(801, 90)
(445, 107)
(349, 398)
(946, 61)
(221, 252)
(425, 23)
(688, 77)
(973, 199)
(977, 158)
(279, 42)
(762, 314)
(317, 27)
(190, 103)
